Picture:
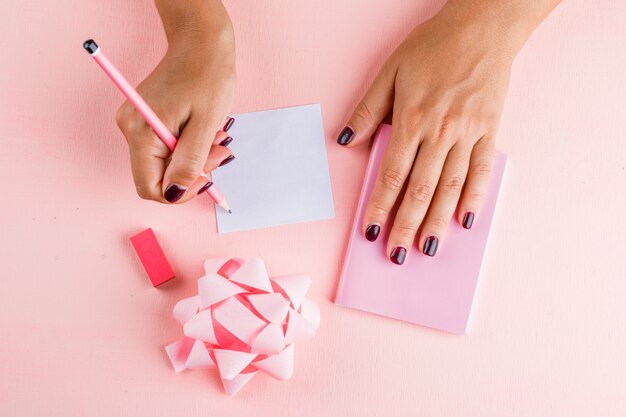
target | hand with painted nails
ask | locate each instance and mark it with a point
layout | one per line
(446, 85)
(191, 90)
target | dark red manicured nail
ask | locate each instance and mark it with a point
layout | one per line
(430, 246)
(468, 220)
(174, 192)
(372, 231)
(398, 255)
(226, 141)
(205, 187)
(345, 136)
(228, 124)
(227, 160)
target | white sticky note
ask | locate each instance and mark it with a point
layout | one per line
(280, 172)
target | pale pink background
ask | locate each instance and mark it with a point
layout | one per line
(82, 329)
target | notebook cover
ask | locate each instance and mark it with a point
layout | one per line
(437, 292)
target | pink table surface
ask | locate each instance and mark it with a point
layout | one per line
(82, 328)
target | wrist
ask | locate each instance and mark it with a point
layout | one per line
(212, 41)
(502, 24)
(200, 32)
(199, 51)
(196, 25)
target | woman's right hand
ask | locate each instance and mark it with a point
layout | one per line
(191, 90)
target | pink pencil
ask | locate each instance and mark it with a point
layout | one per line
(144, 109)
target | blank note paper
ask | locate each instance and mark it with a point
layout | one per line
(280, 172)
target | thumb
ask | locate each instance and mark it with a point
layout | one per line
(187, 160)
(371, 111)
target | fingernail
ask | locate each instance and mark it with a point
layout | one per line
(468, 220)
(226, 141)
(227, 160)
(398, 255)
(205, 187)
(372, 231)
(345, 136)
(174, 192)
(228, 124)
(430, 246)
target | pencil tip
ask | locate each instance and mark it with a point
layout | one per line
(230, 212)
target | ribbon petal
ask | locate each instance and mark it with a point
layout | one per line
(273, 307)
(185, 309)
(238, 320)
(230, 267)
(270, 341)
(295, 287)
(201, 327)
(232, 386)
(253, 274)
(232, 362)
(178, 351)
(278, 366)
(199, 357)
(310, 311)
(213, 288)
(298, 328)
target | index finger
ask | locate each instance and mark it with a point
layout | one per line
(394, 170)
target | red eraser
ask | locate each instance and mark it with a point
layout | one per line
(152, 257)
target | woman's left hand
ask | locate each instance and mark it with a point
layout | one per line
(446, 84)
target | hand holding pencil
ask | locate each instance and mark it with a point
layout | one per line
(190, 105)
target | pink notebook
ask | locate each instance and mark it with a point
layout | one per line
(435, 292)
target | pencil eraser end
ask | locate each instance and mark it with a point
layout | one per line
(152, 257)
(90, 46)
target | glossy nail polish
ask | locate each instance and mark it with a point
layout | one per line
(205, 187)
(372, 231)
(430, 246)
(468, 220)
(228, 124)
(398, 255)
(226, 141)
(227, 160)
(345, 136)
(174, 192)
